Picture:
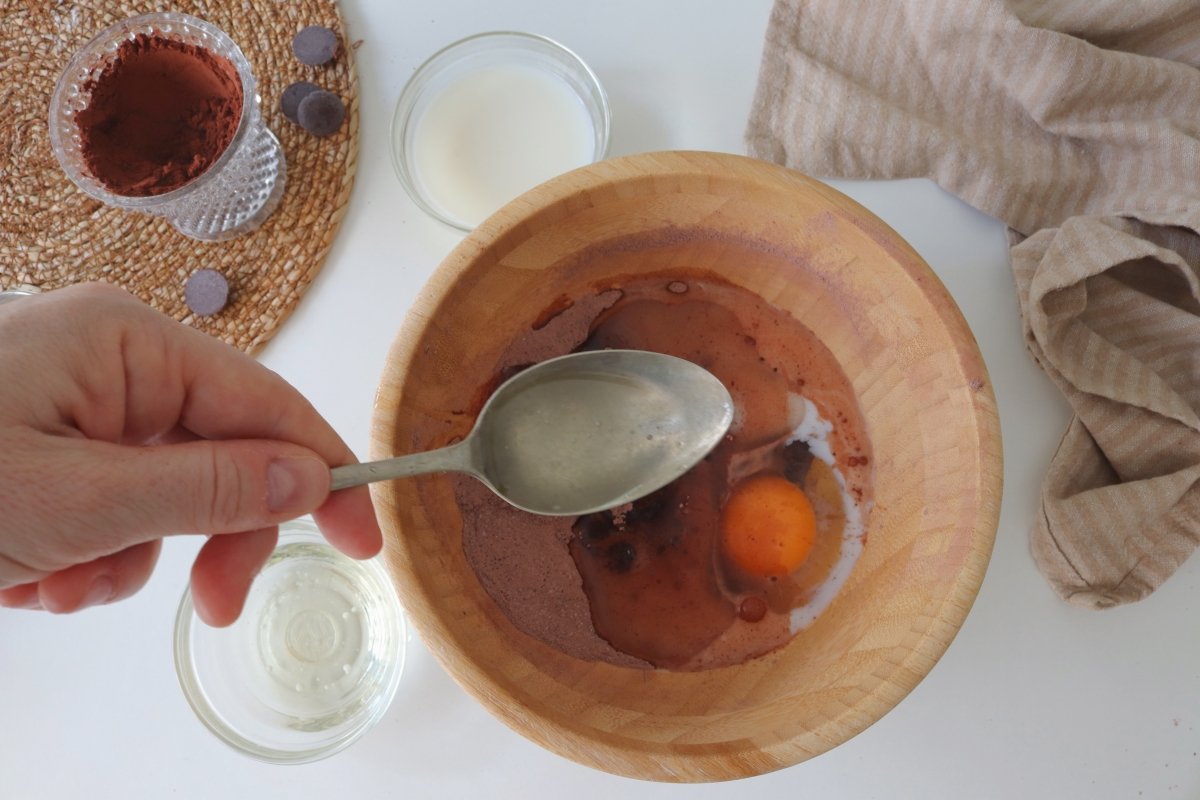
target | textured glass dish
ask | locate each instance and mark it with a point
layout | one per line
(9, 295)
(241, 188)
(501, 49)
(311, 664)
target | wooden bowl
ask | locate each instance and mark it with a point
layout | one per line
(924, 394)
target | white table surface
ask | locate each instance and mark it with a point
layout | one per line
(1033, 699)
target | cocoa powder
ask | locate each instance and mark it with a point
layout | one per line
(160, 113)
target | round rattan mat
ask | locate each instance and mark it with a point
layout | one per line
(52, 234)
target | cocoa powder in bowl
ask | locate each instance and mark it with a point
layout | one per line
(160, 114)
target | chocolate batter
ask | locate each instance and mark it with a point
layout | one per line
(160, 113)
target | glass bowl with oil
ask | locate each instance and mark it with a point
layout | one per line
(311, 664)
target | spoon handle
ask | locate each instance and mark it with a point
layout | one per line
(455, 458)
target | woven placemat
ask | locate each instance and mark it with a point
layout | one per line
(52, 234)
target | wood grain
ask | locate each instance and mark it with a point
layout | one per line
(923, 389)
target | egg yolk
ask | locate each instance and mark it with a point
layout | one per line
(768, 526)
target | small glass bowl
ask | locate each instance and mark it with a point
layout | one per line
(235, 194)
(9, 295)
(481, 51)
(311, 664)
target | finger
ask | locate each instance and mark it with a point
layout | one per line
(212, 487)
(177, 377)
(170, 377)
(176, 435)
(226, 393)
(104, 580)
(23, 596)
(347, 520)
(197, 487)
(223, 571)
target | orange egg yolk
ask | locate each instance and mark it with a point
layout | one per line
(767, 526)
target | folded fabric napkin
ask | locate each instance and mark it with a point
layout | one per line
(1077, 123)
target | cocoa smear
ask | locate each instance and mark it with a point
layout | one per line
(522, 560)
(160, 113)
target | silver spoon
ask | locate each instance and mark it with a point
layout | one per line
(580, 433)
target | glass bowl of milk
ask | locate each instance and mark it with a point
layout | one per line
(312, 662)
(491, 116)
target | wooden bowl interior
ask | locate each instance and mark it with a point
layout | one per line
(922, 388)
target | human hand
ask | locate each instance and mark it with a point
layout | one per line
(119, 426)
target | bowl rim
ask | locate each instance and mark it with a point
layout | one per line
(902, 677)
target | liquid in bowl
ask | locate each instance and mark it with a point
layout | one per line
(492, 116)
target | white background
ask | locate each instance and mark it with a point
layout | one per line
(1033, 699)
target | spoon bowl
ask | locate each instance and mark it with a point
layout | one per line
(580, 433)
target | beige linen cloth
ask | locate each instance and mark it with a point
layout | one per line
(1077, 123)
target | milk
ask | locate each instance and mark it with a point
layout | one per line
(494, 133)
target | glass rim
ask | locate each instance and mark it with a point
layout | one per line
(301, 530)
(402, 116)
(88, 183)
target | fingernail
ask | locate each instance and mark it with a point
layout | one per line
(100, 592)
(296, 485)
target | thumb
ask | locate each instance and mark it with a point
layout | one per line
(210, 486)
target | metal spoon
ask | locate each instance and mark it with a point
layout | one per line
(580, 433)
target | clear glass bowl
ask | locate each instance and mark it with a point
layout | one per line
(241, 188)
(9, 295)
(311, 664)
(479, 52)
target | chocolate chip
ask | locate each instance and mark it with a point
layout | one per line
(289, 103)
(206, 292)
(321, 112)
(797, 459)
(650, 507)
(620, 557)
(315, 45)
(752, 609)
(593, 528)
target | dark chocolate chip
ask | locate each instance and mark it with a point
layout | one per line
(206, 292)
(289, 103)
(797, 459)
(321, 112)
(621, 557)
(650, 507)
(752, 609)
(315, 45)
(592, 528)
